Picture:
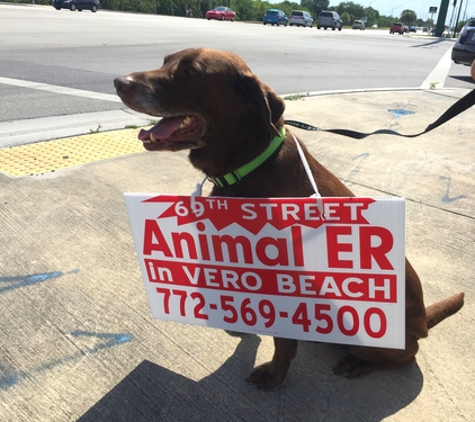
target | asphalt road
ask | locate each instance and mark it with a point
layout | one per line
(48, 54)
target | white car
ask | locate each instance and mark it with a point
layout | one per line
(300, 18)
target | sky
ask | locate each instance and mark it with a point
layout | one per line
(421, 7)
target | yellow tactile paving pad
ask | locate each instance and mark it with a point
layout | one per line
(44, 157)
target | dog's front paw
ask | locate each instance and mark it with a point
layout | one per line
(266, 377)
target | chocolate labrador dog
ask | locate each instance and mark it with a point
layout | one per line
(211, 104)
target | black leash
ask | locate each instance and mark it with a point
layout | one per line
(457, 108)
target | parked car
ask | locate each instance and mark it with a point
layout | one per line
(329, 19)
(358, 25)
(413, 29)
(300, 18)
(397, 27)
(275, 17)
(463, 52)
(425, 30)
(221, 13)
(79, 5)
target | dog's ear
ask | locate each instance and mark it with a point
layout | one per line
(261, 98)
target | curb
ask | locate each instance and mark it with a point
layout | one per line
(28, 131)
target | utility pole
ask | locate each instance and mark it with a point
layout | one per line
(444, 7)
(457, 20)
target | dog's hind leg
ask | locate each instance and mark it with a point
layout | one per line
(362, 360)
(273, 373)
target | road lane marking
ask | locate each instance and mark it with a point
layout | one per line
(436, 78)
(60, 90)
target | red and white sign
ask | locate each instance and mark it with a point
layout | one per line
(275, 266)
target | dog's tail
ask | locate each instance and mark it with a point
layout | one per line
(443, 309)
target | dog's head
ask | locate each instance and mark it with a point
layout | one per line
(209, 100)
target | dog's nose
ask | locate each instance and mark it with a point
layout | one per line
(124, 83)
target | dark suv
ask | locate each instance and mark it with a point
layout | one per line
(73, 5)
(329, 19)
(464, 49)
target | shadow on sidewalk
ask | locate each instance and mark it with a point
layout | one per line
(153, 393)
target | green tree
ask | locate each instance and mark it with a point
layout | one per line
(420, 22)
(287, 7)
(315, 6)
(243, 9)
(408, 16)
(372, 15)
(346, 18)
(385, 21)
(356, 11)
(259, 9)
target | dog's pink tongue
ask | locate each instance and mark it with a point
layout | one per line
(163, 129)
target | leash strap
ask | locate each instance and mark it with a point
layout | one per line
(460, 106)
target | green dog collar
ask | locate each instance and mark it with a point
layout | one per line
(233, 177)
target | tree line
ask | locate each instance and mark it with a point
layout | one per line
(254, 10)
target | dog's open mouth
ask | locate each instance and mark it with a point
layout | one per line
(172, 133)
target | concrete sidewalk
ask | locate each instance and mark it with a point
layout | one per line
(77, 338)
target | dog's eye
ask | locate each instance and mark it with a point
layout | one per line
(188, 72)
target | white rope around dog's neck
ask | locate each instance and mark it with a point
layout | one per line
(198, 192)
(307, 168)
(199, 186)
(310, 177)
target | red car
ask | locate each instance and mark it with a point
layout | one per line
(397, 28)
(221, 13)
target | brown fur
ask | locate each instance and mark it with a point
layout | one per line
(235, 116)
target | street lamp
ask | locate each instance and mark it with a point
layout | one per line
(371, 2)
(394, 8)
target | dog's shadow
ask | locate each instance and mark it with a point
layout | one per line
(311, 392)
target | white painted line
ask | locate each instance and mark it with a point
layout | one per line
(27, 131)
(436, 78)
(60, 90)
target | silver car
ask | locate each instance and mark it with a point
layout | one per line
(300, 18)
